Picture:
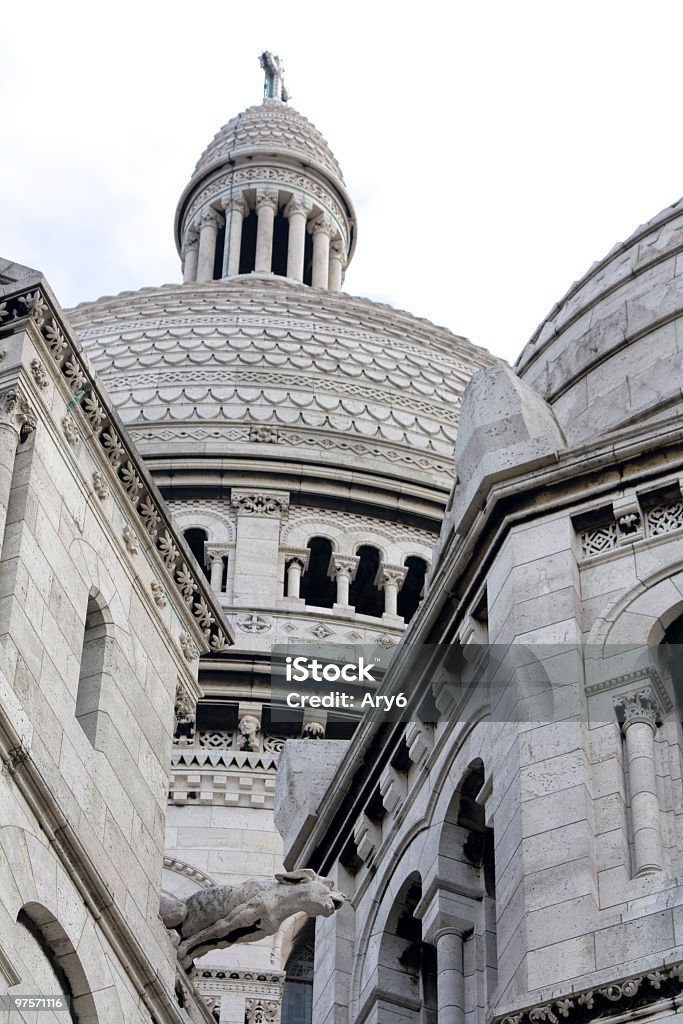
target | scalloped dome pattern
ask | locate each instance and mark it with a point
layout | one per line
(270, 127)
(255, 360)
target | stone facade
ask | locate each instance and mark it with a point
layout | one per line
(93, 665)
(516, 858)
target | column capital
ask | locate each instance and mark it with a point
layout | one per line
(337, 251)
(300, 555)
(266, 197)
(639, 706)
(388, 575)
(214, 553)
(16, 412)
(191, 238)
(320, 225)
(235, 202)
(343, 565)
(297, 204)
(212, 217)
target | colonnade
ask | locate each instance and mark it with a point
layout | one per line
(328, 259)
(342, 570)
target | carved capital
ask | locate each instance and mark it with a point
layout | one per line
(390, 575)
(184, 712)
(214, 554)
(212, 217)
(191, 241)
(337, 251)
(236, 203)
(641, 706)
(320, 225)
(15, 412)
(266, 197)
(299, 555)
(343, 565)
(297, 204)
(259, 503)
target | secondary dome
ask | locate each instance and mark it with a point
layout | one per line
(607, 355)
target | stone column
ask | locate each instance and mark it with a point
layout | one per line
(450, 978)
(215, 560)
(390, 579)
(15, 413)
(296, 211)
(321, 229)
(190, 256)
(639, 725)
(337, 263)
(296, 560)
(235, 209)
(266, 208)
(210, 223)
(343, 569)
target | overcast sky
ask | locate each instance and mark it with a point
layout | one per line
(493, 150)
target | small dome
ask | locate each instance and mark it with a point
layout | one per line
(608, 354)
(269, 127)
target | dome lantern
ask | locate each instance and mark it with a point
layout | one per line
(267, 196)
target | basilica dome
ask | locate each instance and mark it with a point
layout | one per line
(608, 355)
(262, 369)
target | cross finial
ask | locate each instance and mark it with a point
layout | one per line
(274, 86)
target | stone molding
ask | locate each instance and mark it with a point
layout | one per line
(647, 674)
(604, 1001)
(180, 867)
(141, 494)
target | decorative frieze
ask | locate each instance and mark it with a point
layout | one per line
(270, 504)
(629, 524)
(619, 999)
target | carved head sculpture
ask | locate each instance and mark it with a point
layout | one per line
(249, 728)
(222, 915)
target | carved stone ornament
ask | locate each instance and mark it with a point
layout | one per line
(212, 217)
(313, 731)
(641, 706)
(17, 413)
(267, 197)
(297, 204)
(254, 623)
(249, 729)
(236, 203)
(187, 646)
(620, 999)
(185, 716)
(38, 373)
(261, 1011)
(388, 575)
(158, 593)
(223, 915)
(320, 225)
(130, 540)
(70, 431)
(101, 489)
(259, 503)
(343, 565)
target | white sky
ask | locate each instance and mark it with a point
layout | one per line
(493, 150)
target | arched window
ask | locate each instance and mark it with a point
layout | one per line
(91, 678)
(364, 594)
(297, 996)
(317, 588)
(196, 539)
(54, 964)
(410, 594)
(407, 964)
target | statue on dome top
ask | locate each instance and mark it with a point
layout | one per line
(274, 85)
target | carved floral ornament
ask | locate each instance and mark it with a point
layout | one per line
(606, 1001)
(16, 412)
(640, 706)
(68, 361)
(259, 503)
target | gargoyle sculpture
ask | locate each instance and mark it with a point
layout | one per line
(225, 914)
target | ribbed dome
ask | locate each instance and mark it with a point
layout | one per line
(265, 368)
(269, 127)
(608, 355)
